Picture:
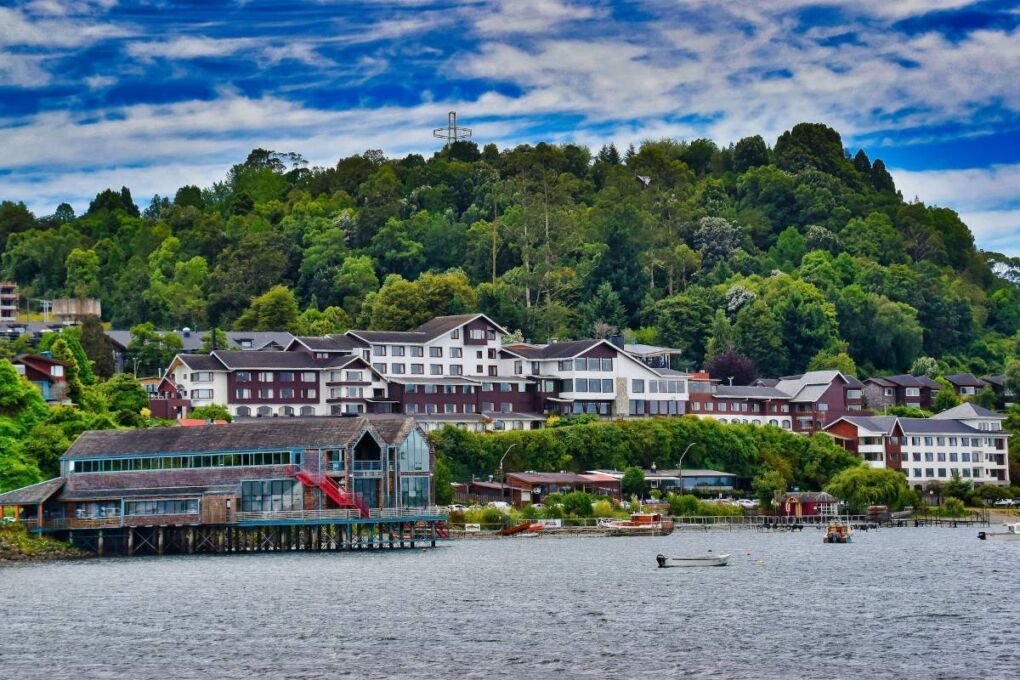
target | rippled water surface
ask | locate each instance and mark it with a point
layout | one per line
(899, 603)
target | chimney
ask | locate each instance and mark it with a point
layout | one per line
(616, 340)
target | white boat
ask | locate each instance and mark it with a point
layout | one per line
(707, 560)
(1012, 533)
(639, 524)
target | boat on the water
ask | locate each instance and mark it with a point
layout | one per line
(837, 532)
(708, 560)
(639, 524)
(1012, 533)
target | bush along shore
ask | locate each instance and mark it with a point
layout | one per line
(17, 545)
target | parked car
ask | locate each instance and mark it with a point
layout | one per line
(457, 508)
(499, 505)
(1005, 503)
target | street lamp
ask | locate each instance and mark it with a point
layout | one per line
(502, 458)
(680, 467)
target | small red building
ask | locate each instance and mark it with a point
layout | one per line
(46, 373)
(807, 504)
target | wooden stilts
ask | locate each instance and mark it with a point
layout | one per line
(99, 543)
(131, 541)
(159, 541)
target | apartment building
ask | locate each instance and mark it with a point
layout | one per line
(8, 301)
(917, 391)
(966, 441)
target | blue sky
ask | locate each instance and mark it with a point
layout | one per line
(152, 95)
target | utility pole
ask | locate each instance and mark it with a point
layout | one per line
(452, 133)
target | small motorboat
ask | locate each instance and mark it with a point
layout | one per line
(1012, 533)
(837, 532)
(708, 560)
(639, 524)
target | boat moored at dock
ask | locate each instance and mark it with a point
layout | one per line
(1012, 533)
(837, 532)
(639, 524)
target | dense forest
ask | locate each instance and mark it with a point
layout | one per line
(764, 260)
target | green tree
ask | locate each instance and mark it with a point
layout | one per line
(275, 310)
(355, 280)
(864, 485)
(577, 504)
(633, 482)
(150, 350)
(926, 366)
(126, 398)
(62, 352)
(946, 397)
(827, 360)
(789, 250)
(767, 486)
(750, 152)
(603, 314)
(82, 273)
(97, 347)
(211, 412)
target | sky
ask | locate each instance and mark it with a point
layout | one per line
(154, 95)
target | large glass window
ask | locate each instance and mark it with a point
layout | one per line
(276, 495)
(134, 464)
(414, 492)
(183, 506)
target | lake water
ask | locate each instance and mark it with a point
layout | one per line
(899, 603)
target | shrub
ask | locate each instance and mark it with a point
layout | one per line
(953, 507)
(577, 504)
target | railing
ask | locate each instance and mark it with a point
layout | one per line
(341, 514)
(367, 466)
(85, 523)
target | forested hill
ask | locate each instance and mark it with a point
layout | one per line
(795, 254)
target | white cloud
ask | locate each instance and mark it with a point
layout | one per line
(18, 29)
(529, 16)
(22, 70)
(189, 47)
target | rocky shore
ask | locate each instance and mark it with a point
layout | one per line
(17, 545)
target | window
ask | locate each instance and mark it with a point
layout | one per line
(242, 376)
(506, 407)
(477, 334)
(941, 441)
(381, 368)
(311, 394)
(431, 389)
(309, 376)
(954, 457)
(942, 472)
(410, 409)
(417, 369)
(607, 386)
(929, 472)
(188, 506)
(709, 406)
(966, 472)
(913, 391)
(435, 352)
(201, 376)
(287, 393)
(722, 406)
(455, 334)
(593, 364)
(568, 385)
(456, 369)
(450, 408)
(965, 456)
(853, 394)
(265, 393)
(435, 369)
(354, 376)
(397, 369)
(536, 368)
(410, 389)
(518, 367)
(637, 386)
(607, 365)
(417, 351)
(942, 456)
(379, 350)
(456, 353)
(469, 408)
(581, 385)
(265, 376)
(929, 456)
(823, 406)
(929, 441)
(243, 393)
(285, 376)
(580, 364)
(201, 394)
(506, 387)
(917, 456)
(56, 371)
(490, 335)
(695, 405)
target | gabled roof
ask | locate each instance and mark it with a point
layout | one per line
(966, 411)
(200, 362)
(32, 359)
(750, 392)
(935, 425)
(279, 360)
(193, 340)
(810, 386)
(430, 330)
(996, 380)
(34, 494)
(882, 424)
(328, 343)
(557, 350)
(258, 435)
(965, 380)
(641, 350)
(809, 496)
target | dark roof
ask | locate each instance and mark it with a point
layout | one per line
(752, 392)
(201, 362)
(32, 495)
(556, 350)
(549, 477)
(767, 382)
(997, 380)
(939, 426)
(193, 340)
(159, 492)
(444, 324)
(279, 360)
(881, 382)
(965, 380)
(397, 337)
(257, 435)
(37, 359)
(852, 381)
(329, 343)
(870, 423)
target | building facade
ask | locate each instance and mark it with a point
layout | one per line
(8, 301)
(965, 441)
(900, 390)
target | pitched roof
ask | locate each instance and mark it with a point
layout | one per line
(193, 340)
(201, 362)
(869, 423)
(968, 410)
(639, 349)
(750, 392)
(997, 380)
(279, 360)
(34, 494)
(810, 386)
(965, 380)
(938, 426)
(557, 350)
(256, 435)
(429, 330)
(327, 343)
(810, 496)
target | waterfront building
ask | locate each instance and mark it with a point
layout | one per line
(965, 441)
(8, 301)
(806, 504)
(533, 487)
(706, 482)
(354, 473)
